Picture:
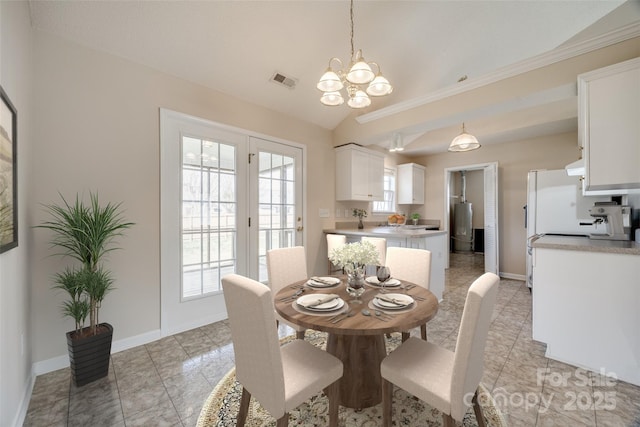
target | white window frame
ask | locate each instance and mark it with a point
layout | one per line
(389, 204)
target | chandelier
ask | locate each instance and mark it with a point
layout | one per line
(357, 75)
(464, 142)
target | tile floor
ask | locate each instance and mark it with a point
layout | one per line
(166, 382)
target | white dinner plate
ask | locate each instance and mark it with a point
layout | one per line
(402, 301)
(325, 282)
(306, 300)
(391, 283)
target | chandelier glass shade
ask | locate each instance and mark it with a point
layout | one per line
(358, 74)
(464, 142)
(332, 98)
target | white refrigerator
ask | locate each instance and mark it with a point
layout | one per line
(555, 205)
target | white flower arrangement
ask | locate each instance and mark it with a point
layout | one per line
(352, 256)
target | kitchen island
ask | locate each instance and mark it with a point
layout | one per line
(586, 295)
(416, 237)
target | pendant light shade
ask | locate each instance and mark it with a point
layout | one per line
(330, 82)
(379, 86)
(464, 142)
(396, 143)
(359, 99)
(360, 72)
(332, 98)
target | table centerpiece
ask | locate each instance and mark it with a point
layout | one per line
(353, 259)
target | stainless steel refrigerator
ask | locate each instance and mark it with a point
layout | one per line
(555, 205)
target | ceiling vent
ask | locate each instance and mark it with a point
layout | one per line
(283, 80)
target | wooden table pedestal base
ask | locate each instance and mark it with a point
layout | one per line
(361, 355)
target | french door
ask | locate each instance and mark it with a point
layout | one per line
(226, 198)
(275, 201)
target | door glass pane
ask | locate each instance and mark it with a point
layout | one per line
(208, 215)
(264, 190)
(276, 205)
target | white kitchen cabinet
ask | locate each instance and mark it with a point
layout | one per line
(411, 184)
(585, 308)
(396, 242)
(437, 245)
(359, 173)
(609, 127)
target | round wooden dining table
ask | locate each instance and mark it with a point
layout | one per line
(358, 340)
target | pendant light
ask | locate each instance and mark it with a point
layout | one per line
(396, 143)
(464, 142)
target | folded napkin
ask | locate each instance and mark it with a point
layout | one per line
(315, 302)
(322, 281)
(392, 301)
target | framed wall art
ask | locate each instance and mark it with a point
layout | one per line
(8, 174)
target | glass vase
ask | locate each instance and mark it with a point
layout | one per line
(355, 283)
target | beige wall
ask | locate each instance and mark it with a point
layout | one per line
(98, 130)
(514, 159)
(15, 352)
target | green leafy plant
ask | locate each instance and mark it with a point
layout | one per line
(415, 216)
(360, 213)
(85, 233)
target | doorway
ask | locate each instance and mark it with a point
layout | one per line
(489, 211)
(227, 197)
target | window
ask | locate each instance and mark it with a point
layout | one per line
(389, 203)
(208, 215)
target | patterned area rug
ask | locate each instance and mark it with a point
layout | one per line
(221, 407)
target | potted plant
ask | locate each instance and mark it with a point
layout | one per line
(360, 213)
(415, 217)
(85, 233)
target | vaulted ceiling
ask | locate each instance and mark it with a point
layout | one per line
(235, 47)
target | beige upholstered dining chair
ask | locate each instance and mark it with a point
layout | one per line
(412, 265)
(284, 267)
(280, 378)
(442, 378)
(334, 241)
(381, 245)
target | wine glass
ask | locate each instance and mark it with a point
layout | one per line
(383, 275)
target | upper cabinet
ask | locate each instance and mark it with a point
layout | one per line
(411, 184)
(609, 127)
(359, 173)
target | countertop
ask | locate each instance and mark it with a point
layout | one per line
(401, 232)
(577, 243)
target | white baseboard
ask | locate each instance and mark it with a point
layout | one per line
(49, 365)
(512, 276)
(21, 414)
(60, 362)
(127, 343)
(216, 317)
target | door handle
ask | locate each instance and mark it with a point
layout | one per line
(300, 228)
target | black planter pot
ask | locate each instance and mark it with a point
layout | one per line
(89, 356)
